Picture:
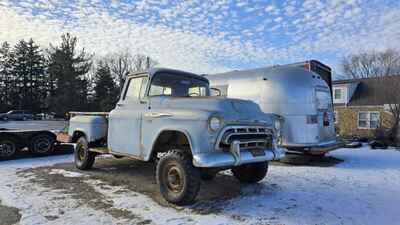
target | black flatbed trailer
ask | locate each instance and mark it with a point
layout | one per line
(13, 141)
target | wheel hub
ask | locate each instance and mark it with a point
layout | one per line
(81, 152)
(174, 179)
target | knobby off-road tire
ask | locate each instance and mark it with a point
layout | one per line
(8, 147)
(251, 173)
(84, 159)
(178, 179)
(42, 144)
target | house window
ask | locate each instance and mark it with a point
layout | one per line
(337, 93)
(368, 120)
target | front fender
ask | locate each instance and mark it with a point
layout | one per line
(196, 132)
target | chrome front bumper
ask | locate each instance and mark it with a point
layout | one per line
(235, 157)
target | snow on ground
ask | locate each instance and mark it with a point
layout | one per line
(364, 189)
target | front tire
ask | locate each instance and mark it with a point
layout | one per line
(84, 159)
(178, 179)
(251, 173)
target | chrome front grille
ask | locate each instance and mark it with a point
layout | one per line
(249, 137)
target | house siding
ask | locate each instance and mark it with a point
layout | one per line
(347, 120)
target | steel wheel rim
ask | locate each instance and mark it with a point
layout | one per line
(174, 179)
(7, 148)
(81, 152)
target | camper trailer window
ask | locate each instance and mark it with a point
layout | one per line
(323, 99)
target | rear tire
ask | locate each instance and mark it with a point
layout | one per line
(42, 144)
(8, 147)
(178, 179)
(251, 173)
(84, 159)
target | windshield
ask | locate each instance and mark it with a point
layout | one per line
(164, 84)
(324, 100)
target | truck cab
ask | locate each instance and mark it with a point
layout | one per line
(168, 117)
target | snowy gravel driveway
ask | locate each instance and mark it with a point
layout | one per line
(364, 189)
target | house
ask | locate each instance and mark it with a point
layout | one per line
(362, 105)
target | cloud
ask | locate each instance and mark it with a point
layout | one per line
(209, 36)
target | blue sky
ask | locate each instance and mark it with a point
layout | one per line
(210, 36)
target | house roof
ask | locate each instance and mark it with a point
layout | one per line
(374, 91)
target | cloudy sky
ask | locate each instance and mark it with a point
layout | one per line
(210, 36)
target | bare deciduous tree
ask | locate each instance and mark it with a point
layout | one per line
(121, 64)
(372, 64)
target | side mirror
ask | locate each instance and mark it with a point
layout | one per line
(215, 92)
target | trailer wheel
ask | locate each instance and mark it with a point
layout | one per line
(42, 144)
(8, 147)
(178, 179)
(251, 173)
(84, 159)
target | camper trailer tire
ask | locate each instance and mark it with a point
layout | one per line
(251, 173)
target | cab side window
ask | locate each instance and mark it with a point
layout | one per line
(136, 89)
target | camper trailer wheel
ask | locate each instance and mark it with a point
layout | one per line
(251, 173)
(84, 159)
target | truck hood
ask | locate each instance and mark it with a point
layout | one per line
(232, 110)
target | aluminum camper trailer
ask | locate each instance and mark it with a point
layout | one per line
(302, 97)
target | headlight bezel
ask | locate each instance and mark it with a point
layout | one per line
(278, 125)
(211, 122)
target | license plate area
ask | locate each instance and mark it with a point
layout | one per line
(257, 152)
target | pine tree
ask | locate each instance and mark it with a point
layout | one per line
(29, 72)
(106, 91)
(67, 70)
(6, 77)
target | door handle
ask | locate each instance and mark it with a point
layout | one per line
(157, 115)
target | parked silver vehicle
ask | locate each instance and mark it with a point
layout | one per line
(168, 116)
(17, 115)
(300, 96)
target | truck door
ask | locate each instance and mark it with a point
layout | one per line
(125, 121)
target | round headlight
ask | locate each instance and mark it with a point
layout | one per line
(215, 123)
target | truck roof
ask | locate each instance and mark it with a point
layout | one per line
(151, 72)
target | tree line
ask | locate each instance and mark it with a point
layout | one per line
(62, 77)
